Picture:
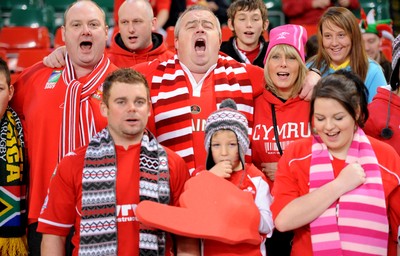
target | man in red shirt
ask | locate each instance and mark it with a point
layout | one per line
(135, 42)
(101, 184)
(59, 108)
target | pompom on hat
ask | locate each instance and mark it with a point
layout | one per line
(293, 35)
(394, 79)
(227, 117)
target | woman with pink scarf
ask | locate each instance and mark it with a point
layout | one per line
(339, 189)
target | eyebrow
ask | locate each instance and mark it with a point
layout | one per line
(197, 21)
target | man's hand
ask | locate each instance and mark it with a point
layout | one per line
(56, 59)
(310, 81)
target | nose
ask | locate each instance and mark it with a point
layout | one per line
(283, 62)
(334, 40)
(85, 29)
(248, 23)
(130, 27)
(131, 107)
(329, 124)
(224, 150)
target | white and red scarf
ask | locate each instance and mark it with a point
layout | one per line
(78, 124)
(357, 224)
(171, 101)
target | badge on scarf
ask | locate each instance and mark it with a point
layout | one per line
(53, 79)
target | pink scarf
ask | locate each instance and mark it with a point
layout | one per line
(357, 224)
(78, 125)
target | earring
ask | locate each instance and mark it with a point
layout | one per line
(314, 130)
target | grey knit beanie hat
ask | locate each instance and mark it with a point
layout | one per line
(227, 118)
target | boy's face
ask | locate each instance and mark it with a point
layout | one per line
(6, 93)
(248, 27)
(225, 147)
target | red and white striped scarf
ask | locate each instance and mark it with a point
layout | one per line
(171, 106)
(78, 124)
(357, 224)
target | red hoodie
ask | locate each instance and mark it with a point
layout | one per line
(378, 116)
(123, 58)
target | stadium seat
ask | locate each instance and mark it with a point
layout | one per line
(106, 5)
(28, 57)
(25, 15)
(275, 15)
(17, 38)
(58, 38)
(59, 5)
(7, 5)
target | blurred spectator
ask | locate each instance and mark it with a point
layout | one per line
(310, 11)
(161, 10)
(219, 7)
(311, 46)
(373, 32)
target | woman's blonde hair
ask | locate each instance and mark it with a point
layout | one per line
(289, 51)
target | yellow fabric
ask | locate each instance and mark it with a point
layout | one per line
(341, 66)
(14, 246)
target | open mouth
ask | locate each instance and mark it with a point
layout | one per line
(248, 33)
(283, 74)
(200, 45)
(86, 45)
(332, 134)
(132, 37)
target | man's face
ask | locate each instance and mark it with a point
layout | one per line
(372, 44)
(127, 112)
(135, 25)
(198, 41)
(85, 34)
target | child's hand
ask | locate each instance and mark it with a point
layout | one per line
(222, 169)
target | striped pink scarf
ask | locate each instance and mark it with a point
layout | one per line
(360, 225)
(78, 125)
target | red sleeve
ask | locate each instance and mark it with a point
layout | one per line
(58, 214)
(389, 161)
(179, 174)
(162, 5)
(295, 8)
(394, 216)
(255, 72)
